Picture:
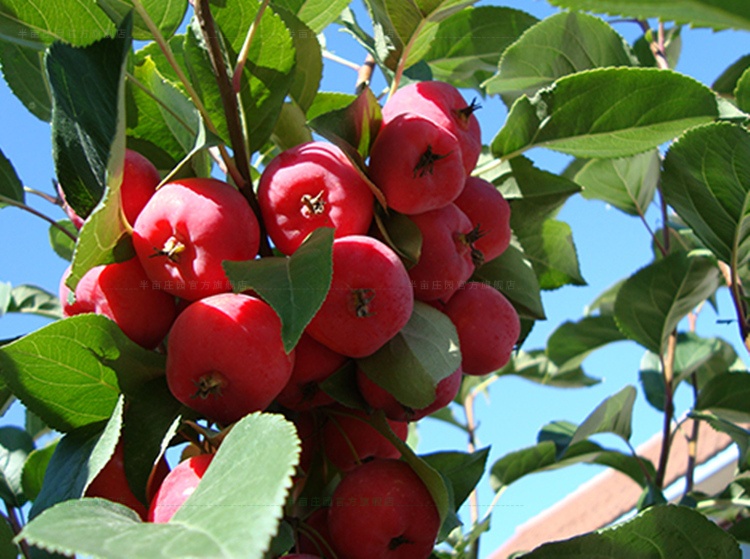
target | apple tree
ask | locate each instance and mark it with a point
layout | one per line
(271, 284)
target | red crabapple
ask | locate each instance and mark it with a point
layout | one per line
(448, 255)
(226, 358)
(369, 301)
(487, 326)
(444, 105)
(122, 291)
(380, 399)
(313, 363)
(310, 186)
(187, 229)
(383, 510)
(489, 211)
(177, 487)
(139, 181)
(349, 439)
(416, 164)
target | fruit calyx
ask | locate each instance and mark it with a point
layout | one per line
(362, 299)
(468, 239)
(468, 110)
(172, 249)
(313, 205)
(209, 384)
(427, 160)
(397, 542)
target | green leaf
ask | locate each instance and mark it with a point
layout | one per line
(462, 470)
(85, 119)
(467, 46)
(63, 245)
(11, 188)
(742, 93)
(317, 14)
(652, 302)
(628, 183)
(35, 468)
(70, 372)
(77, 460)
(613, 415)
(726, 83)
(34, 425)
(658, 531)
(605, 302)
(8, 549)
(549, 246)
(537, 367)
(707, 181)
(672, 47)
(33, 300)
(401, 234)
(565, 43)
(576, 114)
(740, 435)
(291, 128)
(308, 67)
(414, 361)
(513, 275)
(166, 15)
(542, 192)
(716, 14)
(572, 342)
(256, 460)
(328, 101)
(23, 68)
(294, 286)
(36, 25)
(15, 446)
(727, 394)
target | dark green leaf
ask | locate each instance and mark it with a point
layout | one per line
(707, 180)
(23, 68)
(672, 47)
(572, 342)
(741, 530)
(35, 468)
(308, 68)
(11, 188)
(317, 14)
(34, 425)
(85, 119)
(462, 470)
(61, 243)
(513, 275)
(15, 446)
(537, 367)
(167, 16)
(33, 300)
(653, 385)
(559, 45)
(77, 460)
(294, 286)
(291, 128)
(71, 21)
(8, 549)
(716, 14)
(467, 46)
(576, 115)
(613, 415)
(740, 435)
(726, 83)
(413, 362)
(628, 184)
(742, 93)
(658, 532)
(401, 234)
(728, 394)
(652, 302)
(342, 386)
(544, 192)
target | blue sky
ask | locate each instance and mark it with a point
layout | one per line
(610, 244)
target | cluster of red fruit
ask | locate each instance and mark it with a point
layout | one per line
(225, 355)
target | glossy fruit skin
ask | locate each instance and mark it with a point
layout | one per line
(369, 301)
(417, 165)
(310, 186)
(446, 259)
(443, 104)
(488, 210)
(122, 291)
(349, 439)
(380, 399)
(226, 358)
(313, 363)
(187, 229)
(139, 181)
(177, 487)
(112, 484)
(488, 327)
(383, 510)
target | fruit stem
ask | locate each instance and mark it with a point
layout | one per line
(245, 50)
(52, 222)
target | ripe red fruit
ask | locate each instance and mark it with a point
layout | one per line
(380, 399)
(349, 439)
(383, 510)
(139, 181)
(315, 539)
(310, 186)
(487, 325)
(177, 487)
(417, 165)
(444, 105)
(313, 363)
(488, 210)
(369, 301)
(448, 253)
(122, 292)
(226, 358)
(112, 484)
(187, 229)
